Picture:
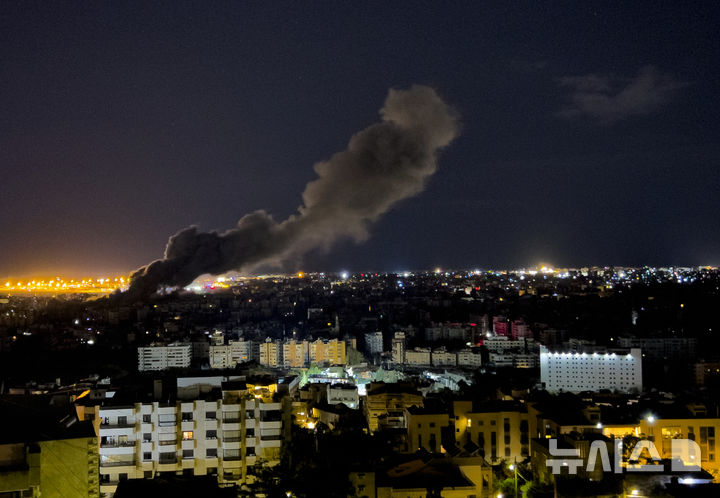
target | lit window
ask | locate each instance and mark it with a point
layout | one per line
(187, 434)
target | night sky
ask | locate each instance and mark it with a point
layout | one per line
(590, 130)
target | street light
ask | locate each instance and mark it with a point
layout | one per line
(513, 467)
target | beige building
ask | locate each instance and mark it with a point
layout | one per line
(699, 428)
(385, 404)
(424, 428)
(228, 356)
(418, 357)
(499, 429)
(270, 353)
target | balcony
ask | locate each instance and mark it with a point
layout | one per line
(128, 463)
(167, 465)
(276, 437)
(126, 425)
(167, 423)
(118, 444)
(271, 425)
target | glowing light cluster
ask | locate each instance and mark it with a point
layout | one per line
(59, 285)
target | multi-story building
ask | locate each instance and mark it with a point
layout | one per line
(270, 353)
(295, 353)
(694, 423)
(42, 454)
(230, 355)
(328, 352)
(514, 359)
(424, 426)
(662, 348)
(418, 357)
(577, 372)
(223, 437)
(374, 343)
(441, 357)
(398, 348)
(469, 358)
(384, 404)
(706, 372)
(343, 393)
(500, 325)
(163, 357)
(499, 429)
(519, 329)
(500, 344)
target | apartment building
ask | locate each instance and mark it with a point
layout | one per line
(374, 343)
(420, 357)
(384, 404)
(424, 426)
(271, 353)
(441, 357)
(469, 358)
(231, 354)
(499, 429)
(328, 352)
(577, 372)
(295, 353)
(163, 357)
(223, 435)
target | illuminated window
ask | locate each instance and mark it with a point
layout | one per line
(187, 434)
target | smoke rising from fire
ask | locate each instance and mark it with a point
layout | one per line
(383, 164)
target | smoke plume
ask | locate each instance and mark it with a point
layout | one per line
(383, 164)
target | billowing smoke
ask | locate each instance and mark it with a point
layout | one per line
(382, 165)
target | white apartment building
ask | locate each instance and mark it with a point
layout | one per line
(469, 358)
(374, 343)
(442, 358)
(229, 355)
(576, 372)
(162, 357)
(223, 437)
(500, 344)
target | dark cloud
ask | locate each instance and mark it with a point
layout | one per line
(609, 99)
(385, 163)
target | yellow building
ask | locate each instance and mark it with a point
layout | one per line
(662, 431)
(385, 404)
(328, 352)
(295, 353)
(424, 428)
(499, 429)
(42, 455)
